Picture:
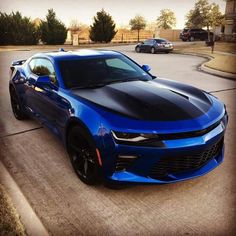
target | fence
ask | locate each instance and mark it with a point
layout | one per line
(125, 35)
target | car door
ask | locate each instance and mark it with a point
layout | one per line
(46, 101)
(146, 46)
(149, 45)
(204, 35)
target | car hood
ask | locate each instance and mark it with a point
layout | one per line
(156, 100)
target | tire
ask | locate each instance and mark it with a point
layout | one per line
(82, 153)
(191, 39)
(167, 52)
(16, 106)
(137, 49)
(153, 51)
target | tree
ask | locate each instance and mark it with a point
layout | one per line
(204, 15)
(74, 25)
(17, 30)
(77, 28)
(53, 31)
(167, 19)
(216, 17)
(138, 23)
(103, 28)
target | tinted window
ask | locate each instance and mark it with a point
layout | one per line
(148, 42)
(41, 67)
(97, 71)
(160, 40)
(116, 63)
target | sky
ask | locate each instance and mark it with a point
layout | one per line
(84, 10)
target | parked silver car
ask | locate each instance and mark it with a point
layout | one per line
(154, 45)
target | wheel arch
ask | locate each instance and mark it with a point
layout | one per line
(11, 86)
(72, 122)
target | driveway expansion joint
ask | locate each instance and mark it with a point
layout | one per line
(21, 132)
(222, 90)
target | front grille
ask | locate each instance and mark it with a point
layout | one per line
(179, 164)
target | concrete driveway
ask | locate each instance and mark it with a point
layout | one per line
(41, 168)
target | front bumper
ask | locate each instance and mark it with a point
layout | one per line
(141, 169)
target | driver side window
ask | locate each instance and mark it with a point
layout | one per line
(148, 42)
(41, 67)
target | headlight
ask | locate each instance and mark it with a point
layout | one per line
(133, 137)
(137, 139)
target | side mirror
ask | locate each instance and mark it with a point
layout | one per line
(146, 68)
(44, 79)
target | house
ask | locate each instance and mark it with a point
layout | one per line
(230, 19)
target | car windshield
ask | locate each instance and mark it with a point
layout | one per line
(100, 71)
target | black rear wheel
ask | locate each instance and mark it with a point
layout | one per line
(82, 153)
(17, 108)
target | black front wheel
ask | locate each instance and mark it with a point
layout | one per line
(82, 153)
(153, 51)
(137, 49)
(17, 108)
(191, 39)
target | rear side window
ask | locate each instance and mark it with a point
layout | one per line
(161, 41)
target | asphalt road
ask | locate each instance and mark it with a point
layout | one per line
(41, 168)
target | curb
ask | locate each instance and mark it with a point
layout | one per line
(30, 220)
(209, 70)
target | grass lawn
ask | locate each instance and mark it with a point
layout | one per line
(224, 55)
(9, 219)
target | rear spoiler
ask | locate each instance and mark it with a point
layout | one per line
(18, 62)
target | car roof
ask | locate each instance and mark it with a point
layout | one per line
(82, 53)
(157, 39)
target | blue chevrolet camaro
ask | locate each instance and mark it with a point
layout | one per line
(116, 120)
